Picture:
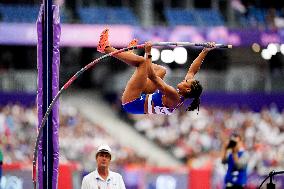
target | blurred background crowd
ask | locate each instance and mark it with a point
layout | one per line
(19, 122)
(194, 139)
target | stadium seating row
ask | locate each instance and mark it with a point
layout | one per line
(107, 15)
(87, 15)
(124, 15)
(195, 17)
(22, 14)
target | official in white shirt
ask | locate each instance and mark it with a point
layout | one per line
(102, 177)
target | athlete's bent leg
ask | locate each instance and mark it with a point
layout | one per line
(129, 58)
(136, 84)
(160, 71)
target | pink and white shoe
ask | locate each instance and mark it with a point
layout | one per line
(132, 43)
(103, 43)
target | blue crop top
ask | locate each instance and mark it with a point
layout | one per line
(137, 106)
(159, 107)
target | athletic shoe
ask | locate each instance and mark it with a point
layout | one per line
(103, 43)
(132, 43)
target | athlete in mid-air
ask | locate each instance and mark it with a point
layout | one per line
(146, 92)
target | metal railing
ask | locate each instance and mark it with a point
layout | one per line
(18, 81)
(245, 79)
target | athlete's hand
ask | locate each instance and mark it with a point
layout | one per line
(209, 46)
(148, 47)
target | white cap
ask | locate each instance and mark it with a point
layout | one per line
(103, 148)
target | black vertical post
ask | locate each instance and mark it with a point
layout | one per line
(271, 185)
(47, 53)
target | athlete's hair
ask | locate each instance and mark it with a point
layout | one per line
(195, 92)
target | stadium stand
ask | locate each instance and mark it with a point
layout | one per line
(210, 17)
(17, 122)
(194, 17)
(19, 13)
(22, 13)
(193, 137)
(27, 13)
(180, 17)
(107, 15)
(255, 17)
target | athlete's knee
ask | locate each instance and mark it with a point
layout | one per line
(161, 71)
(139, 60)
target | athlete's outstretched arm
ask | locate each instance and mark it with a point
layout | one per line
(195, 66)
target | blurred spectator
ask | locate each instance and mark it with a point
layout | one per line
(71, 6)
(279, 19)
(238, 7)
(270, 18)
(1, 163)
(237, 160)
